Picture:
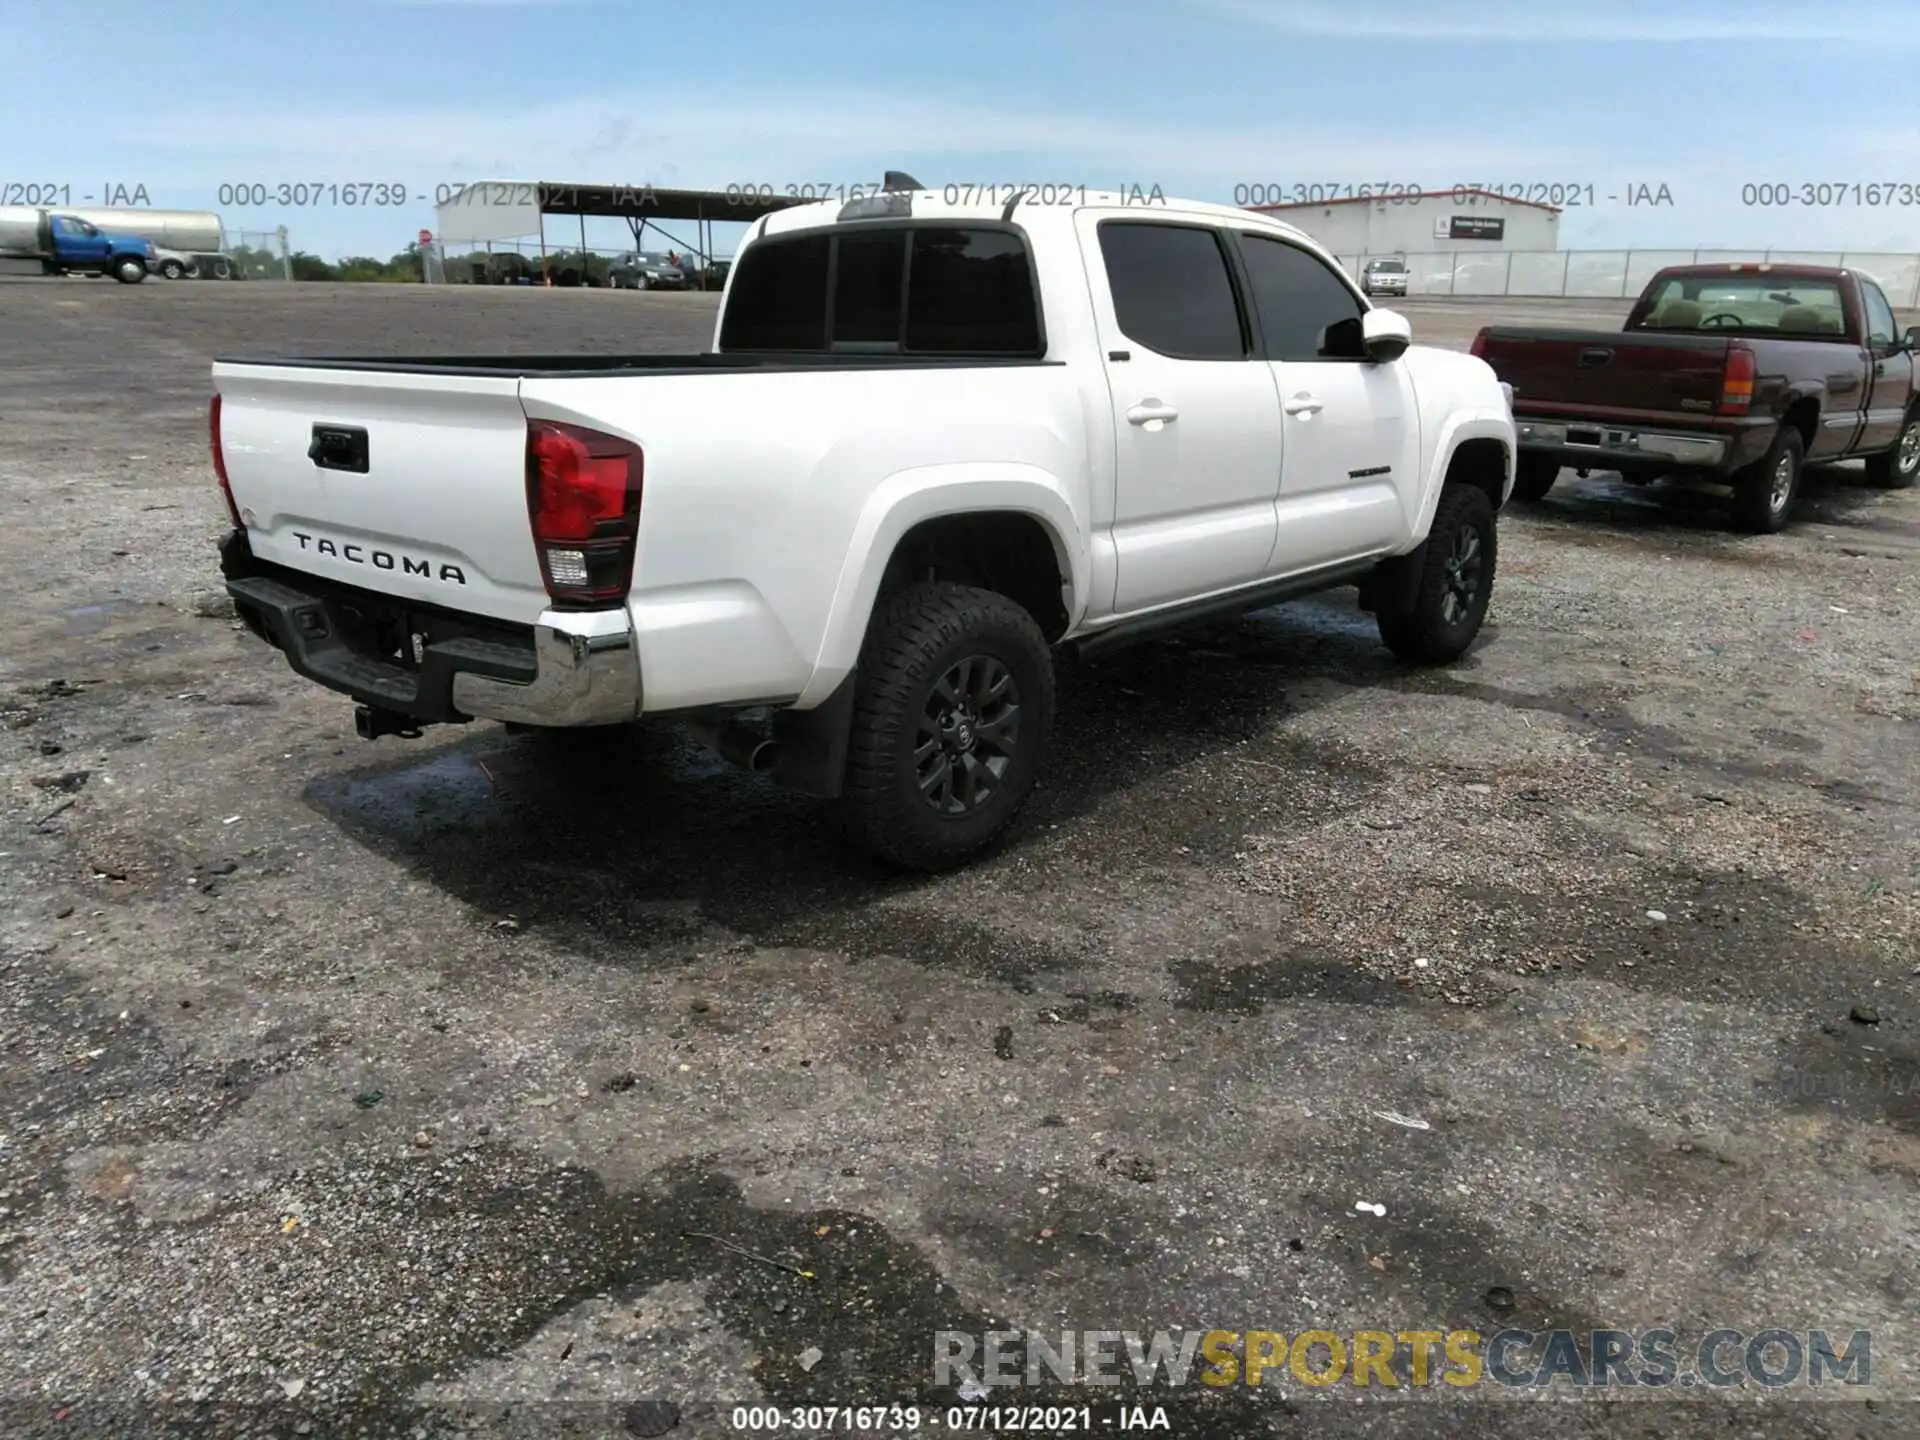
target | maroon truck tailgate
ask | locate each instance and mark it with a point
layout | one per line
(1608, 370)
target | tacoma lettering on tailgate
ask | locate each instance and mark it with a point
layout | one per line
(379, 559)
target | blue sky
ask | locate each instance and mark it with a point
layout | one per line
(1196, 96)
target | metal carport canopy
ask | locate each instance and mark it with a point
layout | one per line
(491, 210)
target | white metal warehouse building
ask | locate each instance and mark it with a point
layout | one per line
(1432, 222)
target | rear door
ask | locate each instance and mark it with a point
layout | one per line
(1197, 437)
(1350, 477)
(412, 484)
(1890, 368)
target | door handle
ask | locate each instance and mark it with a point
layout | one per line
(1303, 404)
(1148, 411)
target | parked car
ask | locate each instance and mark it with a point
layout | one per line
(875, 530)
(704, 275)
(646, 270)
(179, 265)
(1738, 373)
(1384, 277)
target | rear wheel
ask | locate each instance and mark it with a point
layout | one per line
(1430, 604)
(1899, 467)
(953, 707)
(1533, 476)
(1764, 493)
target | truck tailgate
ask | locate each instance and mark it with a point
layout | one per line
(1575, 370)
(423, 494)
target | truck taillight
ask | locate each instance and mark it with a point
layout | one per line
(220, 461)
(583, 495)
(1736, 385)
(1479, 347)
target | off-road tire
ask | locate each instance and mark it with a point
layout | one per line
(1533, 476)
(1411, 597)
(1887, 469)
(918, 635)
(1757, 509)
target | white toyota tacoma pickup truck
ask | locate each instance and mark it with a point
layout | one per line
(933, 444)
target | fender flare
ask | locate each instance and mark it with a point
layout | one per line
(932, 492)
(1460, 427)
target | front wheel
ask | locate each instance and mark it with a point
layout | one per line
(1764, 492)
(129, 271)
(1430, 604)
(172, 270)
(1899, 467)
(953, 706)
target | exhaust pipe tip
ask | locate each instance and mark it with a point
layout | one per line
(738, 744)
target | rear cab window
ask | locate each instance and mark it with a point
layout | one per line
(1804, 307)
(926, 288)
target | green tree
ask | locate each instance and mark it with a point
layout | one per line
(311, 267)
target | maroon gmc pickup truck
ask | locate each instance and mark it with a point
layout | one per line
(1736, 373)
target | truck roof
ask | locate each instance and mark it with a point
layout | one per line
(1758, 267)
(991, 202)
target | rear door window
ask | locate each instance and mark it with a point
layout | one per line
(1173, 290)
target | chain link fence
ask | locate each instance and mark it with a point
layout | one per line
(1618, 274)
(252, 255)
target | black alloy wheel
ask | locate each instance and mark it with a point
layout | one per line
(969, 733)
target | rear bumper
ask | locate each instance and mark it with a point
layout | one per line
(1613, 444)
(570, 668)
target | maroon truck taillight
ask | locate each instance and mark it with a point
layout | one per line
(220, 461)
(1736, 385)
(1479, 347)
(583, 494)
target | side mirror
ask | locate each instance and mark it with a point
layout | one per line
(1911, 340)
(1385, 335)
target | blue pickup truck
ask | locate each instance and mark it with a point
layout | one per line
(67, 244)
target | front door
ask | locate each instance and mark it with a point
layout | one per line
(1197, 434)
(1890, 374)
(75, 240)
(1350, 485)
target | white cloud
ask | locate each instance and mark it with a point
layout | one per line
(1535, 21)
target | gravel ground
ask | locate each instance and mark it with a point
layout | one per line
(392, 1089)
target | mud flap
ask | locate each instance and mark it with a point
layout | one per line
(811, 757)
(1393, 583)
